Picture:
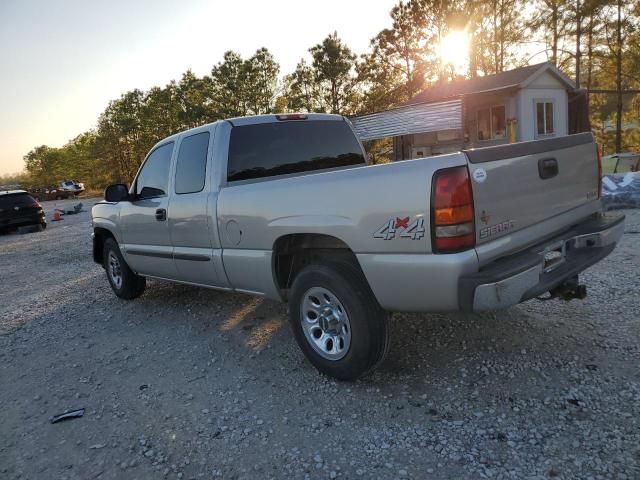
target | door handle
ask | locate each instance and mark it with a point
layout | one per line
(161, 214)
(547, 168)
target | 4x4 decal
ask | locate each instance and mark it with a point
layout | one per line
(403, 227)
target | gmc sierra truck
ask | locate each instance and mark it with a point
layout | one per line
(286, 207)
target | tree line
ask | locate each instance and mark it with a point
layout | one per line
(595, 42)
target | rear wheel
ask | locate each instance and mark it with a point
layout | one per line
(124, 282)
(337, 320)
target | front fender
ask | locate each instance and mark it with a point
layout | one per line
(105, 223)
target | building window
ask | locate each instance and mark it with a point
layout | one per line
(492, 123)
(544, 117)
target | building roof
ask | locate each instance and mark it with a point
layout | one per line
(409, 119)
(516, 78)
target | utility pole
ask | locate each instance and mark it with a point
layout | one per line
(578, 40)
(619, 80)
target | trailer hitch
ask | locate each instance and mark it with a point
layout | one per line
(567, 290)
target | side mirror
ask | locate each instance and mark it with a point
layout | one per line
(116, 193)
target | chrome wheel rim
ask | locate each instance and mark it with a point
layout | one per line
(325, 323)
(115, 271)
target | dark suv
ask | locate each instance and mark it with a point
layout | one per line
(19, 209)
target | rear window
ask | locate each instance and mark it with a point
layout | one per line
(270, 149)
(16, 199)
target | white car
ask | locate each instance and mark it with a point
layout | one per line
(72, 186)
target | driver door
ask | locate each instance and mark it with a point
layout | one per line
(145, 228)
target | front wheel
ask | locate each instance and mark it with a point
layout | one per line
(337, 320)
(124, 282)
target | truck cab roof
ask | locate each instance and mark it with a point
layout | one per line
(252, 120)
(283, 117)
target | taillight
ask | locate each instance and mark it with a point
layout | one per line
(34, 205)
(599, 154)
(452, 225)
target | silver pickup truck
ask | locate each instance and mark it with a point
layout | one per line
(286, 207)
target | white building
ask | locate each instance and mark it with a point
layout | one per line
(528, 103)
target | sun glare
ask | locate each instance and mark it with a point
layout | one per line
(454, 51)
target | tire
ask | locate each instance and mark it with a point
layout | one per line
(124, 282)
(349, 335)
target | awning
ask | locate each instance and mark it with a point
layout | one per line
(409, 119)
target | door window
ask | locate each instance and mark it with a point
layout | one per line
(153, 179)
(192, 163)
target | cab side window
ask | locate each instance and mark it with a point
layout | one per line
(153, 179)
(192, 163)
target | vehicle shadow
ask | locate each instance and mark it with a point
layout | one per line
(423, 347)
(497, 357)
(251, 321)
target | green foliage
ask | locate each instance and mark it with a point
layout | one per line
(401, 48)
(14, 179)
(245, 87)
(402, 60)
(382, 84)
(261, 82)
(333, 71)
(497, 31)
(132, 124)
(379, 150)
(303, 92)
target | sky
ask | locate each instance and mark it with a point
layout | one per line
(61, 62)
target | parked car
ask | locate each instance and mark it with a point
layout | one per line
(43, 194)
(72, 186)
(19, 209)
(286, 207)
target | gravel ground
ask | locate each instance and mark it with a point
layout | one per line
(191, 383)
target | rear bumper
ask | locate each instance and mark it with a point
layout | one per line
(522, 276)
(15, 222)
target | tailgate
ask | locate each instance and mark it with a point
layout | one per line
(523, 184)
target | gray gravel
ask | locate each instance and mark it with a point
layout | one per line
(191, 383)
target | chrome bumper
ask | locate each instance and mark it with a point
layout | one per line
(528, 274)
